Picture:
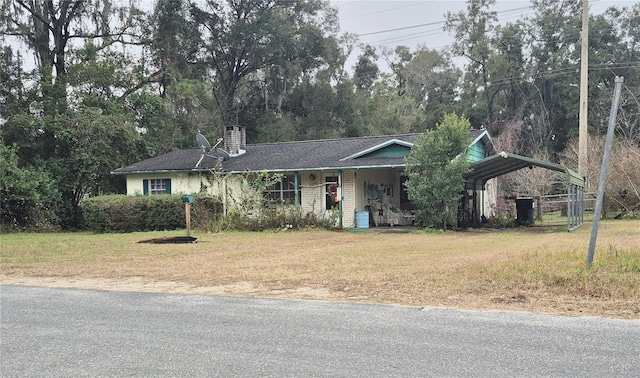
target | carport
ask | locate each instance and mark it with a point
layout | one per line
(505, 162)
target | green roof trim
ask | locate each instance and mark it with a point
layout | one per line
(390, 148)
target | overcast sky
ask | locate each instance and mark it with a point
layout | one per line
(421, 22)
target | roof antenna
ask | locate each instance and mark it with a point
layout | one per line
(206, 148)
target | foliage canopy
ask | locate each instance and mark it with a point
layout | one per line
(436, 167)
(114, 83)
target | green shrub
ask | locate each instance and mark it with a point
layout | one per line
(501, 221)
(121, 213)
(282, 217)
(28, 195)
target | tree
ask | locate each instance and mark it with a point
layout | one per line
(48, 27)
(614, 41)
(623, 175)
(366, 70)
(29, 197)
(322, 111)
(242, 38)
(554, 78)
(429, 79)
(173, 43)
(472, 31)
(387, 113)
(436, 167)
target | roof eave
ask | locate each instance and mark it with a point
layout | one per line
(160, 171)
(321, 169)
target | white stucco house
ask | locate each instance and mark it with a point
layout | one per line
(349, 175)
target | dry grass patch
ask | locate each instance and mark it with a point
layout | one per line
(529, 269)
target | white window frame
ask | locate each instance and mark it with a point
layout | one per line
(157, 186)
(283, 191)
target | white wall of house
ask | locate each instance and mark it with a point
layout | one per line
(180, 183)
(314, 193)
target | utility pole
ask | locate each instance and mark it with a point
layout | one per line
(584, 91)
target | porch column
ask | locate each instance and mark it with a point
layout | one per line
(475, 214)
(341, 185)
(465, 205)
(296, 184)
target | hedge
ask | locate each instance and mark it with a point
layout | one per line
(122, 213)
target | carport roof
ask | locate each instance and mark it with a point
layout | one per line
(505, 162)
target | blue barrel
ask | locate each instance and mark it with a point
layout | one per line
(362, 219)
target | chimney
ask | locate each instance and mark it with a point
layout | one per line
(235, 140)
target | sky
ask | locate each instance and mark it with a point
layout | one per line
(420, 22)
(391, 23)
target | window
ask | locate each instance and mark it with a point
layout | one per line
(284, 191)
(156, 186)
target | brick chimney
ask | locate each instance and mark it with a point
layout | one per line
(235, 140)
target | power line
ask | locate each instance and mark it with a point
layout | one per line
(507, 11)
(387, 10)
(403, 28)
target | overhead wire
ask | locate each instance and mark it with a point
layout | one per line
(515, 12)
(564, 71)
(511, 13)
(507, 11)
(389, 9)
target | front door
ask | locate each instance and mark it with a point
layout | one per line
(332, 199)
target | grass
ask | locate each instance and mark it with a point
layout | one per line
(540, 269)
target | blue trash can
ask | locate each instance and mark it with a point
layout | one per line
(362, 219)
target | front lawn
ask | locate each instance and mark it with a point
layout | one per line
(529, 268)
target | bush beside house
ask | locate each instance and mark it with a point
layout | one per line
(122, 213)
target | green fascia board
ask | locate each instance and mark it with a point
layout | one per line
(389, 151)
(390, 148)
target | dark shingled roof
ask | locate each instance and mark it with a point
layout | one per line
(309, 155)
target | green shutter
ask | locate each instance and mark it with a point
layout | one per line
(167, 186)
(145, 187)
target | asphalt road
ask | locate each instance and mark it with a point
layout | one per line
(74, 333)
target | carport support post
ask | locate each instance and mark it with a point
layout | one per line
(603, 170)
(582, 204)
(569, 206)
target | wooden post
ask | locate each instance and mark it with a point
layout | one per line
(187, 210)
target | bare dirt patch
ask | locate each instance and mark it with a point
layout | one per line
(140, 284)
